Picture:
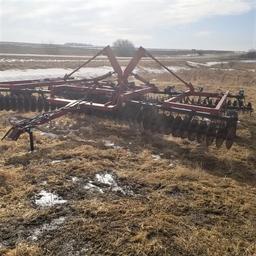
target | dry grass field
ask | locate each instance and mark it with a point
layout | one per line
(97, 187)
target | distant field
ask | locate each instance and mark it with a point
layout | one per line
(56, 49)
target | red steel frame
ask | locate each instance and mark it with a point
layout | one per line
(172, 102)
(117, 93)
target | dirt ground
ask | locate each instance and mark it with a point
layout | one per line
(97, 187)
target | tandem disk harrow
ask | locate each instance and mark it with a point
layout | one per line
(200, 116)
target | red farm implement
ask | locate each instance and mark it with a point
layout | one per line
(193, 114)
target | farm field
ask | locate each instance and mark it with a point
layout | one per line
(94, 186)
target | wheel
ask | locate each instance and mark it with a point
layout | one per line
(192, 130)
(176, 125)
(40, 104)
(13, 103)
(231, 135)
(211, 134)
(201, 131)
(220, 136)
(33, 104)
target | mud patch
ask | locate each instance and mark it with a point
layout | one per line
(175, 191)
(40, 231)
(73, 248)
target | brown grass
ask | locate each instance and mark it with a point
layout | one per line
(24, 249)
(193, 200)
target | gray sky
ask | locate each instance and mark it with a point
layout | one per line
(204, 24)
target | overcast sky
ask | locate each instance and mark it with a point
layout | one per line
(201, 24)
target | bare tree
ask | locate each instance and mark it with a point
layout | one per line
(123, 48)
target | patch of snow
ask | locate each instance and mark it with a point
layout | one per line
(178, 68)
(75, 179)
(160, 70)
(18, 74)
(207, 120)
(156, 157)
(47, 227)
(194, 64)
(46, 55)
(150, 70)
(90, 186)
(109, 182)
(212, 63)
(93, 71)
(10, 60)
(248, 61)
(91, 141)
(47, 199)
(207, 64)
(223, 69)
(110, 144)
(106, 178)
(57, 161)
(228, 69)
(49, 135)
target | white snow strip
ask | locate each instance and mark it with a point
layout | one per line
(178, 68)
(207, 64)
(56, 161)
(47, 199)
(17, 74)
(248, 61)
(10, 60)
(110, 144)
(212, 63)
(49, 135)
(47, 55)
(160, 70)
(223, 69)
